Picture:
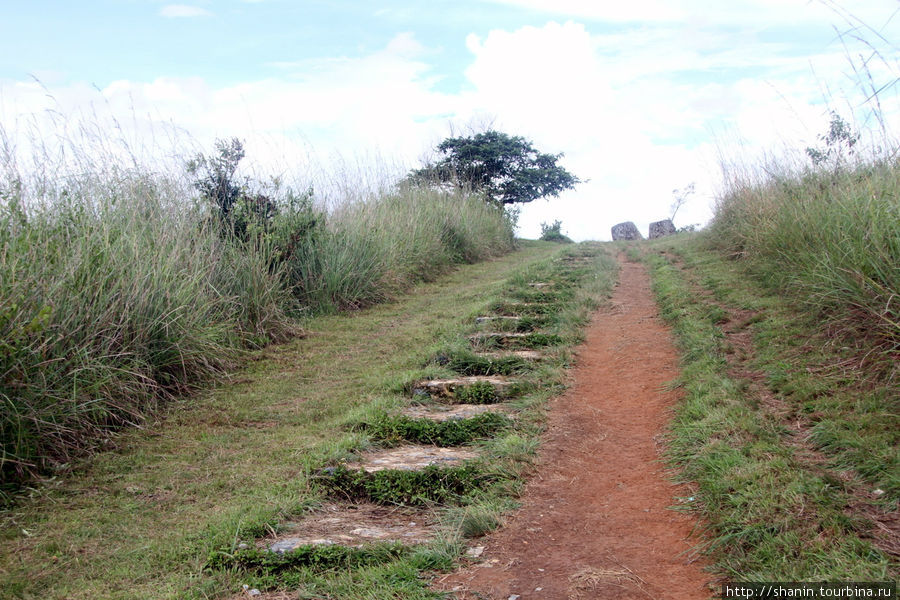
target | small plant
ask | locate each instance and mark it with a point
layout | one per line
(681, 198)
(480, 392)
(318, 557)
(453, 432)
(538, 340)
(516, 308)
(553, 233)
(840, 142)
(431, 484)
(469, 363)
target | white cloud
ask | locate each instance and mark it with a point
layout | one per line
(638, 112)
(744, 13)
(180, 11)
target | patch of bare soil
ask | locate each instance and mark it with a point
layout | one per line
(596, 520)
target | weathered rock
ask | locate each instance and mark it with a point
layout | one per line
(524, 354)
(501, 318)
(626, 231)
(446, 388)
(354, 525)
(494, 338)
(540, 285)
(661, 228)
(523, 308)
(445, 412)
(413, 458)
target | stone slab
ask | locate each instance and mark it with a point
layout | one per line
(413, 458)
(501, 318)
(446, 388)
(524, 354)
(445, 412)
(497, 338)
(354, 525)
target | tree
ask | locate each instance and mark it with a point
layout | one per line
(553, 233)
(681, 198)
(215, 175)
(507, 169)
(839, 140)
(240, 211)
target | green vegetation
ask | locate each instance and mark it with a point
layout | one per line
(830, 238)
(430, 485)
(762, 398)
(118, 290)
(506, 169)
(478, 393)
(319, 557)
(467, 362)
(553, 233)
(452, 432)
(146, 520)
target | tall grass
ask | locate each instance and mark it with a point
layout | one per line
(829, 237)
(111, 297)
(117, 289)
(369, 251)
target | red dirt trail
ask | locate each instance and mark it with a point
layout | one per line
(595, 521)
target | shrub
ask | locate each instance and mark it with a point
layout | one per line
(553, 233)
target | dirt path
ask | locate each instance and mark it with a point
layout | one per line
(595, 522)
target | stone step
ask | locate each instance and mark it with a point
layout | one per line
(498, 338)
(447, 388)
(495, 319)
(353, 525)
(515, 308)
(448, 412)
(413, 457)
(523, 354)
(577, 259)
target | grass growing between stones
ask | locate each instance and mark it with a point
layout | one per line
(431, 485)
(475, 493)
(793, 455)
(233, 463)
(395, 429)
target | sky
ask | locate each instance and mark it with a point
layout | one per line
(643, 98)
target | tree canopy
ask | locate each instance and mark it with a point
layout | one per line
(507, 169)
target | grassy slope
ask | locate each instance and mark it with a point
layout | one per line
(140, 521)
(793, 450)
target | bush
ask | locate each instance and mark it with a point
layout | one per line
(553, 233)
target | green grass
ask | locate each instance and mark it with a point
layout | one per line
(118, 291)
(229, 464)
(430, 485)
(830, 238)
(773, 510)
(390, 429)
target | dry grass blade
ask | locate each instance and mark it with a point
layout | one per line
(585, 582)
